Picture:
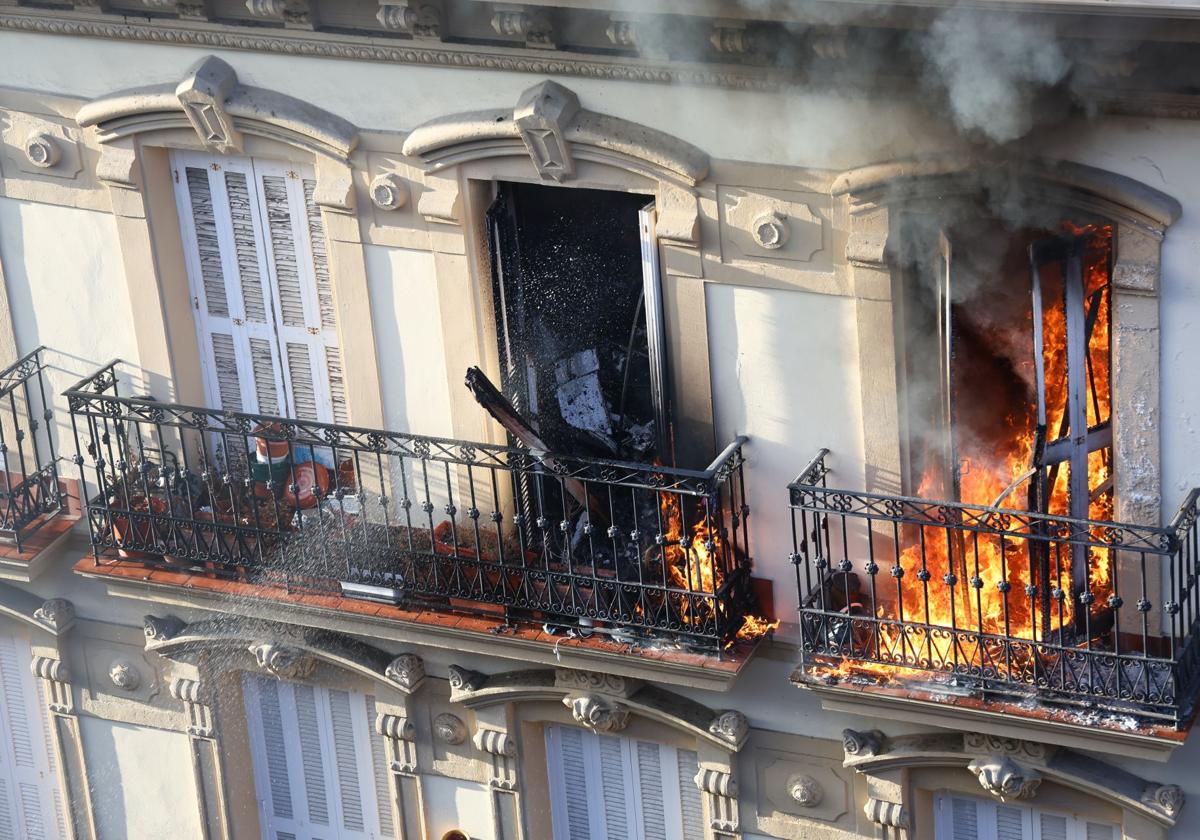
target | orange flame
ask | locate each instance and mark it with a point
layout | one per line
(942, 552)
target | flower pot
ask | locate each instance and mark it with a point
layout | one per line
(267, 448)
(311, 481)
(269, 469)
(140, 531)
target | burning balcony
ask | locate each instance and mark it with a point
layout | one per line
(955, 598)
(635, 552)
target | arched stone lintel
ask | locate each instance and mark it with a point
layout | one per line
(1076, 184)
(283, 650)
(726, 730)
(873, 754)
(211, 99)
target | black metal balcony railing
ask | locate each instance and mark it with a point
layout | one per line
(30, 494)
(983, 600)
(635, 549)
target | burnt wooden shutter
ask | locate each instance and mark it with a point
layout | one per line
(30, 804)
(261, 289)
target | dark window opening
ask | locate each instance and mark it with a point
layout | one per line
(571, 296)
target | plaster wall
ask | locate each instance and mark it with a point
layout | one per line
(452, 803)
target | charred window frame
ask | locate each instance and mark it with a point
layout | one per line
(580, 267)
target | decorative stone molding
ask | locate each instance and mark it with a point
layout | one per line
(57, 679)
(731, 727)
(282, 661)
(56, 614)
(597, 713)
(575, 134)
(732, 38)
(720, 790)
(1168, 799)
(42, 151)
(197, 9)
(197, 703)
(161, 629)
(861, 744)
(770, 231)
(1008, 768)
(290, 12)
(530, 24)
(407, 671)
(1004, 779)
(495, 742)
(719, 782)
(622, 32)
(595, 682)
(449, 729)
(805, 791)
(388, 192)
(395, 726)
(220, 110)
(420, 20)
(890, 814)
(124, 675)
(464, 681)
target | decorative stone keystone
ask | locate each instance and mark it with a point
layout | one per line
(282, 661)
(407, 671)
(597, 713)
(1004, 778)
(202, 93)
(542, 116)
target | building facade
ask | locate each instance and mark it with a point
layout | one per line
(824, 463)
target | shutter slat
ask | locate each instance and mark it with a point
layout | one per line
(304, 394)
(379, 764)
(283, 249)
(7, 828)
(276, 753)
(1100, 831)
(19, 736)
(229, 384)
(204, 219)
(574, 783)
(689, 795)
(612, 785)
(310, 753)
(1052, 827)
(346, 761)
(262, 363)
(1010, 823)
(241, 214)
(31, 811)
(964, 813)
(316, 235)
(649, 768)
(337, 385)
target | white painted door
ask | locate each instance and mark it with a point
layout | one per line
(260, 287)
(605, 787)
(969, 818)
(319, 767)
(31, 805)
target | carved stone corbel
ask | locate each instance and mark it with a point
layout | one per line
(57, 682)
(720, 790)
(292, 13)
(65, 741)
(422, 21)
(161, 629)
(400, 735)
(57, 614)
(196, 701)
(463, 681)
(529, 23)
(407, 671)
(1168, 799)
(730, 726)
(597, 713)
(885, 813)
(861, 744)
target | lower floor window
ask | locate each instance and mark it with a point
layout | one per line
(604, 787)
(968, 818)
(30, 799)
(319, 768)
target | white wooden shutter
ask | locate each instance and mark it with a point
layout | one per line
(313, 749)
(970, 818)
(604, 787)
(30, 802)
(261, 289)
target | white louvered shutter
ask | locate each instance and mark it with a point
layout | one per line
(605, 787)
(30, 801)
(970, 818)
(261, 290)
(313, 751)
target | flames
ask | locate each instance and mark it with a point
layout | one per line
(695, 564)
(993, 464)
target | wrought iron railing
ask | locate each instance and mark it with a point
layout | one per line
(30, 494)
(635, 550)
(983, 601)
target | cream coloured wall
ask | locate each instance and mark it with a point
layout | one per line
(130, 802)
(451, 804)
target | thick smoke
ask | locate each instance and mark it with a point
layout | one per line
(992, 67)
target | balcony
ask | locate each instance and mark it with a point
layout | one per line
(632, 553)
(1075, 621)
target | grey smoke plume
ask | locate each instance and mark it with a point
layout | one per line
(992, 67)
